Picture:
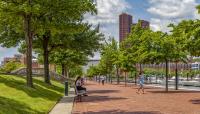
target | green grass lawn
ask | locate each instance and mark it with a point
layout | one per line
(17, 98)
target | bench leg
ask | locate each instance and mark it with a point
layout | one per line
(78, 98)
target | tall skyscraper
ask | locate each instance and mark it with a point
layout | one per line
(125, 22)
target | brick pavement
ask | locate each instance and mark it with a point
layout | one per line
(117, 99)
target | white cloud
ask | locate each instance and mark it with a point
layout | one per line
(172, 8)
(108, 18)
(155, 24)
(171, 11)
(108, 11)
(196, 15)
(161, 25)
(110, 30)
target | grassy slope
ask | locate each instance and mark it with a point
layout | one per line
(17, 98)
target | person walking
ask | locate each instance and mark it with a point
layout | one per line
(141, 83)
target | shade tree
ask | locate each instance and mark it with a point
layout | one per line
(23, 20)
(55, 19)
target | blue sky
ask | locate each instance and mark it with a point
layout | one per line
(158, 12)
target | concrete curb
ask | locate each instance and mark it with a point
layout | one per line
(65, 105)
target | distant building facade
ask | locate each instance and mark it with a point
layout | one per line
(22, 59)
(145, 24)
(17, 58)
(125, 23)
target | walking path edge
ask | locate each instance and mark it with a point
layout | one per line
(65, 105)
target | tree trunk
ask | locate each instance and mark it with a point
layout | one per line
(29, 39)
(140, 67)
(99, 79)
(156, 79)
(111, 78)
(66, 72)
(117, 75)
(136, 74)
(166, 85)
(176, 79)
(46, 38)
(55, 69)
(125, 79)
(63, 69)
(157, 66)
(136, 78)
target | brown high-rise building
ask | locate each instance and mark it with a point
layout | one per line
(144, 24)
(125, 22)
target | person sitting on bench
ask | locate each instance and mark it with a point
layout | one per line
(79, 85)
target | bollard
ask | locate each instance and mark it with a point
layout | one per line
(66, 88)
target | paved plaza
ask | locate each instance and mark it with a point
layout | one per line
(118, 99)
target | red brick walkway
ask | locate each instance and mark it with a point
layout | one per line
(117, 99)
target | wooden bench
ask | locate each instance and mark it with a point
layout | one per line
(79, 94)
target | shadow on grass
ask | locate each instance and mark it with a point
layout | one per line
(40, 90)
(195, 101)
(120, 112)
(97, 98)
(103, 91)
(10, 106)
(56, 88)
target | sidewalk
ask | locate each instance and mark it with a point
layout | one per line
(65, 105)
(117, 99)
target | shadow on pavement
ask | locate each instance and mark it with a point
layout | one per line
(146, 88)
(97, 98)
(87, 84)
(103, 91)
(195, 101)
(121, 112)
(173, 91)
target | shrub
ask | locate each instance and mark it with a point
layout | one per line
(10, 66)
